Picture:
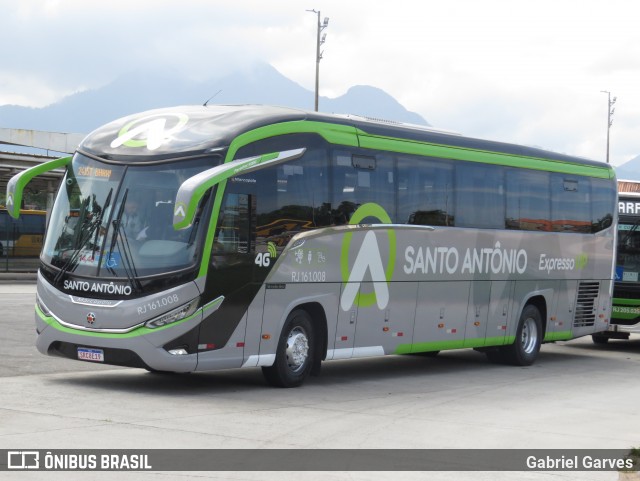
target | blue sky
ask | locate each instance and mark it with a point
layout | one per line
(525, 72)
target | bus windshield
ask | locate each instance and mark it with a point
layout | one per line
(114, 220)
(628, 251)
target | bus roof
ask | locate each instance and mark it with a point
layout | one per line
(189, 131)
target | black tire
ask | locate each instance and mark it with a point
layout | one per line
(295, 352)
(524, 350)
(599, 339)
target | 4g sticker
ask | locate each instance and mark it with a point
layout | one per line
(263, 259)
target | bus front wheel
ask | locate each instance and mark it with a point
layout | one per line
(524, 351)
(294, 355)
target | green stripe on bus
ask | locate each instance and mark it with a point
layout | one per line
(485, 157)
(14, 199)
(332, 133)
(140, 331)
(625, 309)
(558, 336)
(208, 243)
(626, 302)
(457, 344)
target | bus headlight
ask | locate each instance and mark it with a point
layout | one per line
(173, 316)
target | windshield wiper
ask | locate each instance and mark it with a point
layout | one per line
(128, 266)
(82, 236)
(99, 221)
(116, 224)
(634, 227)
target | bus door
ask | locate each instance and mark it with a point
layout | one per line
(231, 275)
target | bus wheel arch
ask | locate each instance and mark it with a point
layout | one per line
(301, 347)
(319, 322)
(541, 304)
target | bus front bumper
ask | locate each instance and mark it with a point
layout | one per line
(131, 349)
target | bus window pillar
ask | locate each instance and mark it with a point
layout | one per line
(51, 191)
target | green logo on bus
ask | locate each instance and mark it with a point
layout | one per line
(151, 131)
(367, 259)
(180, 210)
(271, 248)
(581, 261)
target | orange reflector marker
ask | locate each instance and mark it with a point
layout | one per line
(601, 316)
(476, 323)
(553, 318)
(385, 329)
(440, 326)
(266, 337)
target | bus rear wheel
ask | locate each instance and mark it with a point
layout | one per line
(295, 352)
(524, 351)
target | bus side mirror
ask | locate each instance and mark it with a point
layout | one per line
(193, 189)
(17, 183)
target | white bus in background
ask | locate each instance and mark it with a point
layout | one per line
(625, 315)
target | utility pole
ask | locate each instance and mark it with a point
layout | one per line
(319, 41)
(610, 111)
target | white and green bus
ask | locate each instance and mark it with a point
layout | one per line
(279, 238)
(625, 315)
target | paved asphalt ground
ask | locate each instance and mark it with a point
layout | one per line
(577, 395)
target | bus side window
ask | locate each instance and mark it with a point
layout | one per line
(480, 196)
(528, 200)
(360, 179)
(425, 192)
(570, 201)
(604, 204)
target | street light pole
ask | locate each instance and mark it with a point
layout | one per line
(610, 111)
(319, 41)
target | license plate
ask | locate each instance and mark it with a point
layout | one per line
(86, 354)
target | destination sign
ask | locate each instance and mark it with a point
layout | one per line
(86, 171)
(628, 207)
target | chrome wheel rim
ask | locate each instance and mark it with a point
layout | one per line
(297, 349)
(529, 335)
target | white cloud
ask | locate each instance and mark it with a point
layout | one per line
(527, 72)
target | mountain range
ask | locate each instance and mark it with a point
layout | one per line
(84, 111)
